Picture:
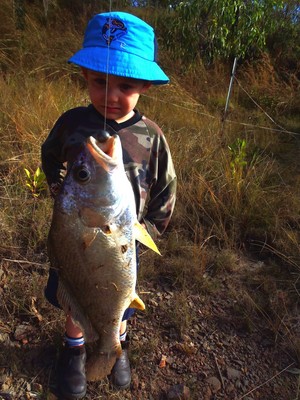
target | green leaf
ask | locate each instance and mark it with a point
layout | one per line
(27, 173)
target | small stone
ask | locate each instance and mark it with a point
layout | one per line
(178, 392)
(214, 384)
(233, 373)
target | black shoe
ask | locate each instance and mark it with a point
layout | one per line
(121, 374)
(71, 369)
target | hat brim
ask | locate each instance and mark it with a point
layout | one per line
(119, 63)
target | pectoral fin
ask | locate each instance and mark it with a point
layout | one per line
(143, 236)
(137, 303)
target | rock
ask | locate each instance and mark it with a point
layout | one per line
(214, 384)
(232, 373)
(178, 392)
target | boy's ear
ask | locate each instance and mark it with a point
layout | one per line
(84, 72)
(146, 86)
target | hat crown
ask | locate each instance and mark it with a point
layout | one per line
(123, 32)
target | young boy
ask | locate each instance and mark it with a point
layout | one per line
(118, 62)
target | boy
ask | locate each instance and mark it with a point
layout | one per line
(118, 63)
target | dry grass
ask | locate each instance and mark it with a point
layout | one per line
(226, 204)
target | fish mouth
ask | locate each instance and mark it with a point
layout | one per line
(105, 152)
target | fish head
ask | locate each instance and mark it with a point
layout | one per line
(95, 158)
(96, 186)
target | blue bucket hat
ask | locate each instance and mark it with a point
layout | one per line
(120, 44)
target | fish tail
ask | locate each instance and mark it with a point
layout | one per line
(99, 364)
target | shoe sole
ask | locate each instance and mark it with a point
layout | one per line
(121, 387)
(69, 396)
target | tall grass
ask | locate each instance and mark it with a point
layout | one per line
(238, 186)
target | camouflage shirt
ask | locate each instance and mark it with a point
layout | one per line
(146, 158)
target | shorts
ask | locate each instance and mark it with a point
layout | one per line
(52, 285)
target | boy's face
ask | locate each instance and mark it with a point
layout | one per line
(114, 97)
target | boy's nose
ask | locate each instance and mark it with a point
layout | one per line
(112, 94)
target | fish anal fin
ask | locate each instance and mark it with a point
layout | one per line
(143, 236)
(137, 303)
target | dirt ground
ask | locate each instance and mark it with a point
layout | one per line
(184, 346)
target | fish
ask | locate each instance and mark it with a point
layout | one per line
(92, 245)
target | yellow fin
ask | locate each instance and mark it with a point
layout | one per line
(137, 303)
(143, 236)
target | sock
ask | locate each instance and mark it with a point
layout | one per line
(123, 337)
(73, 342)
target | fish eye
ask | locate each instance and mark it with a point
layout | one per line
(82, 174)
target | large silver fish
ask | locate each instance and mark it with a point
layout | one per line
(92, 245)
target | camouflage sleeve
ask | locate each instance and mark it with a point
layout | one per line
(52, 158)
(162, 197)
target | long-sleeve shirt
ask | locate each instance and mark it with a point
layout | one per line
(146, 156)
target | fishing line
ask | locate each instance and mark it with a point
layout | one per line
(107, 66)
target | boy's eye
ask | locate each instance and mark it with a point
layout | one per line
(126, 86)
(100, 81)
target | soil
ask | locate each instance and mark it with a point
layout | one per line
(202, 347)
